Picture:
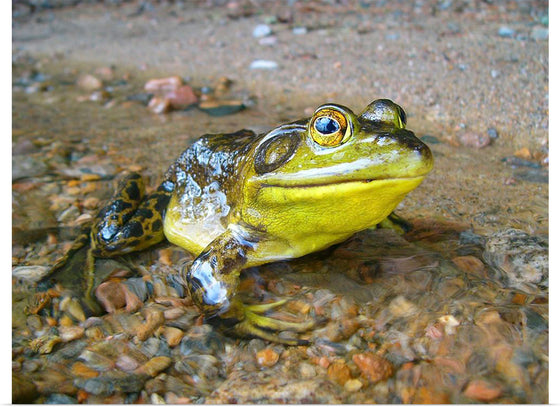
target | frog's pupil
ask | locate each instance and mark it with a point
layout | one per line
(326, 125)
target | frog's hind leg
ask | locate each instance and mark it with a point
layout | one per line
(395, 222)
(130, 221)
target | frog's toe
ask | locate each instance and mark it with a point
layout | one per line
(251, 323)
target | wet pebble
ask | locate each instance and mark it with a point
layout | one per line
(202, 339)
(470, 265)
(373, 367)
(307, 370)
(267, 357)
(31, 274)
(339, 372)
(482, 390)
(263, 64)
(70, 333)
(89, 82)
(268, 41)
(173, 336)
(24, 391)
(492, 133)
(27, 167)
(299, 30)
(73, 308)
(181, 98)
(80, 369)
(57, 398)
(159, 105)
(353, 385)
(96, 360)
(154, 319)
(505, 31)
(539, 33)
(219, 108)
(261, 30)
(154, 366)
(163, 84)
(475, 140)
(127, 363)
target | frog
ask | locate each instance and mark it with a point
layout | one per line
(242, 199)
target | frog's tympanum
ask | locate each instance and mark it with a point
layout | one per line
(239, 200)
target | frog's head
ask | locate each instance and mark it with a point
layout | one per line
(336, 171)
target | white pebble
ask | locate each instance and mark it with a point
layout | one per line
(263, 64)
(261, 30)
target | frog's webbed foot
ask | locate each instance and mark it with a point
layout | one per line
(249, 321)
(69, 283)
(396, 223)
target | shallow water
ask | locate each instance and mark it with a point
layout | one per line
(454, 311)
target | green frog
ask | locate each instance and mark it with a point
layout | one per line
(240, 200)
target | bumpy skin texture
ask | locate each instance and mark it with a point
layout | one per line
(239, 200)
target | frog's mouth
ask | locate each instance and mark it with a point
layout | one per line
(367, 190)
(340, 182)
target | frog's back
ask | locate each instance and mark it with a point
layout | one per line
(205, 176)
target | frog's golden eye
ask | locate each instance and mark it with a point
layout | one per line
(329, 127)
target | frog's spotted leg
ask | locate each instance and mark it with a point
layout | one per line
(129, 222)
(212, 280)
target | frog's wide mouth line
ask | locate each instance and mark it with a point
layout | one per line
(343, 182)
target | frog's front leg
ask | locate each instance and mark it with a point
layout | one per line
(212, 281)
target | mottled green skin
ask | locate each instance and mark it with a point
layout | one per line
(242, 199)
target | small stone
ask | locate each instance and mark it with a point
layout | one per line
(506, 32)
(154, 366)
(70, 333)
(81, 370)
(23, 390)
(261, 30)
(173, 336)
(110, 295)
(307, 371)
(494, 73)
(353, 385)
(299, 30)
(470, 265)
(163, 84)
(401, 307)
(221, 107)
(263, 64)
(339, 372)
(267, 357)
(154, 319)
(73, 308)
(181, 98)
(374, 367)
(156, 399)
(492, 133)
(31, 274)
(57, 398)
(268, 41)
(159, 105)
(482, 390)
(523, 153)
(539, 33)
(449, 323)
(89, 82)
(475, 140)
(105, 72)
(127, 363)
